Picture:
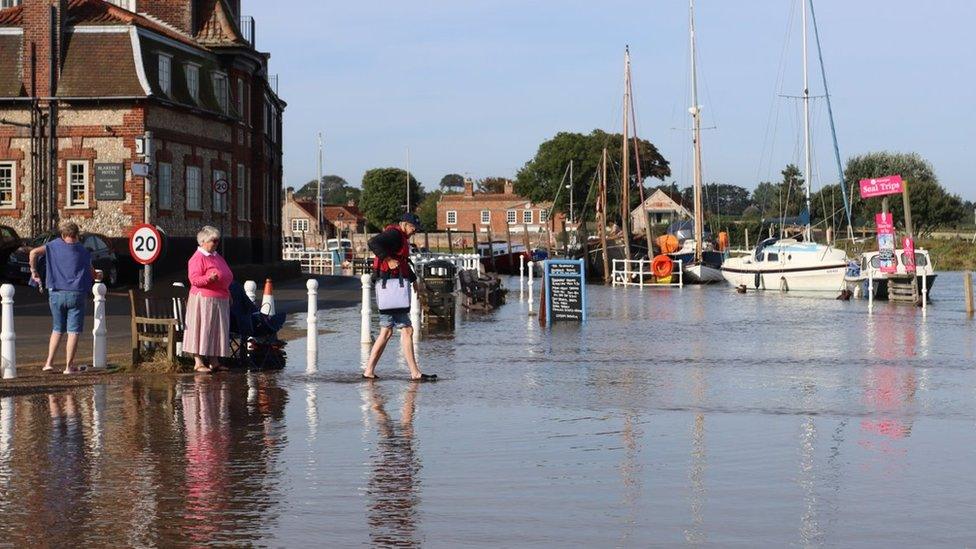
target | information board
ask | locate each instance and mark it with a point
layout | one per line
(565, 287)
(109, 182)
(886, 242)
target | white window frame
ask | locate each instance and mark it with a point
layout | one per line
(543, 215)
(221, 89)
(240, 192)
(527, 217)
(194, 189)
(11, 180)
(165, 76)
(164, 185)
(9, 4)
(240, 97)
(69, 169)
(219, 201)
(299, 225)
(511, 217)
(192, 84)
(485, 217)
(451, 217)
(129, 5)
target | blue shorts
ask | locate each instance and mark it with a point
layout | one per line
(398, 320)
(68, 311)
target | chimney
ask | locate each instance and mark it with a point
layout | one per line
(351, 203)
(468, 187)
(290, 194)
(42, 46)
(508, 187)
(178, 13)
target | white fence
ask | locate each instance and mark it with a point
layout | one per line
(637, 272)
(313, 261)
(461, 261)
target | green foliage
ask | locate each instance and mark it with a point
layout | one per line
(786, 198)
(384, 195)
(932, 205)
(427, 210)
(335, 190)
(718, 198)
(452, 182)
(539, 179)
(495, 185)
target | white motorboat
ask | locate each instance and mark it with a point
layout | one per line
(788, 264)
(870, 269)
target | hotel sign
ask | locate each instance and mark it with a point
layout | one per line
(881, 186)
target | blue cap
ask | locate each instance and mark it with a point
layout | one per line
(412, 219)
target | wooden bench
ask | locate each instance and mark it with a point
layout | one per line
(158, 318)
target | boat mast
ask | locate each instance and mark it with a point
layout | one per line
(695, 111)
(808, 175)
(625, 171)
(603, 216)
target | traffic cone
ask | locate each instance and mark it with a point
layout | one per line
(268, 302)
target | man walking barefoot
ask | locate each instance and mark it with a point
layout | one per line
(392, 249)
(69, 276)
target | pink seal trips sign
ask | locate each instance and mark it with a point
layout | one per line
(908, 256)
(881, 186)
(886, 242)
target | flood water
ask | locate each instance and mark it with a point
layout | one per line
(672, 417)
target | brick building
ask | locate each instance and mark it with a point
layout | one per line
(300, 222)
(81, 81)
(499, 211)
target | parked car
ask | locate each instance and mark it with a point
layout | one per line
(9, 242)
(103, 258)
(344, 243)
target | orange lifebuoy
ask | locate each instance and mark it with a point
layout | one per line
(661, 266)
(668, 243)
(723, 241)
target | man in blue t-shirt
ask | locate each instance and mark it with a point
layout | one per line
(69, 276)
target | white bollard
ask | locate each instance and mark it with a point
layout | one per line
(415, 313)
(251, 289)
(521, 275)
(179, 314)
(311, 323)
(925, 297)
(366, 338)
(870, 291)
(99, 344)
(8, 346)
(531, 283)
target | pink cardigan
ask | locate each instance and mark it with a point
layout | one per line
(199, 268)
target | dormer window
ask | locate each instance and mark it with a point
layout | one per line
(220, 90)
(192, 72)
(165, 73)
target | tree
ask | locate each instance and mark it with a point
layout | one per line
(494, 185)
(427, 210)
(452, 182)
(384, 195)
(932, 205)
(539, 178)
(335, 190)
(784, 199)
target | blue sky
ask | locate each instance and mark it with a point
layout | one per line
(474, 87)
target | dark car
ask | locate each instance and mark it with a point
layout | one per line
(9, 242)
(103, 258)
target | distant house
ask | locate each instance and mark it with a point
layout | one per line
(300, 223)
(660, 208)
(501, 212)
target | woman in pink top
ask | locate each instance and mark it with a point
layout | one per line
(208, 307)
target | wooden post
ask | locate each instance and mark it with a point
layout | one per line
(426, 242)
(508, 238)
(968, 290)
(747, 238)
(603, 219)
(908, 210)
(450, 242)
(565, 239)
(491, 250)
(525, 239)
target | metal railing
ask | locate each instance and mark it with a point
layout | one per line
(313, 261)
(461, 261)
(247, 29)
(637, 272)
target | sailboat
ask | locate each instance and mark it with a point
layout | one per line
(792, 263)
(700, 265)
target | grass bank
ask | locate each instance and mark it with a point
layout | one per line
(951, 254)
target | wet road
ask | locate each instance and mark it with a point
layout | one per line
(692, 417)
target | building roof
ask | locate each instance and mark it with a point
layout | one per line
(11, 83)
(660, 201)
(220, 27)
(332, 211)
(308, 207)
(86, 75)
(99, 12)
(12, 16)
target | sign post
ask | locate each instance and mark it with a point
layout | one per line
(145, 246)
(221, 186)
(565, 290)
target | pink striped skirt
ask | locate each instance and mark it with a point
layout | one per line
(207, 326)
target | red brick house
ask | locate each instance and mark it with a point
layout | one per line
(300, 222)
(82, 81)
(500, 211)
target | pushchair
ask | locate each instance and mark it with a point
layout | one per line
(254, 342)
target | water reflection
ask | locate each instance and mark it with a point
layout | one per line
(393, 488)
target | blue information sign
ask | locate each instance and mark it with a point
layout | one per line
(565, 287)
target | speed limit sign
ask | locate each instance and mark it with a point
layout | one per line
(221, 186)
(145, 244)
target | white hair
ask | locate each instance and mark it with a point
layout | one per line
(208, 234)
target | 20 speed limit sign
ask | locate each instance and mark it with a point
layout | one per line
(145, 244)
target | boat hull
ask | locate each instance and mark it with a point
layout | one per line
(701, 273)
(859, 285)
(827, 278)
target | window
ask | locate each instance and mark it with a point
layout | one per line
(240, 192)
(78, 184)
(164, 186)
(772, 257)
(510, 217)
(220, 200)
(452, 217)
(527, 216)
(247, 194)
(543, 215)
(124, 4)
(193, 80)
(485, 217)
(920, 259)
(165, 73)
(193, 193)
(220, 90)
(299, 225)
(8, 185)
(240, 97)
(9, 3)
